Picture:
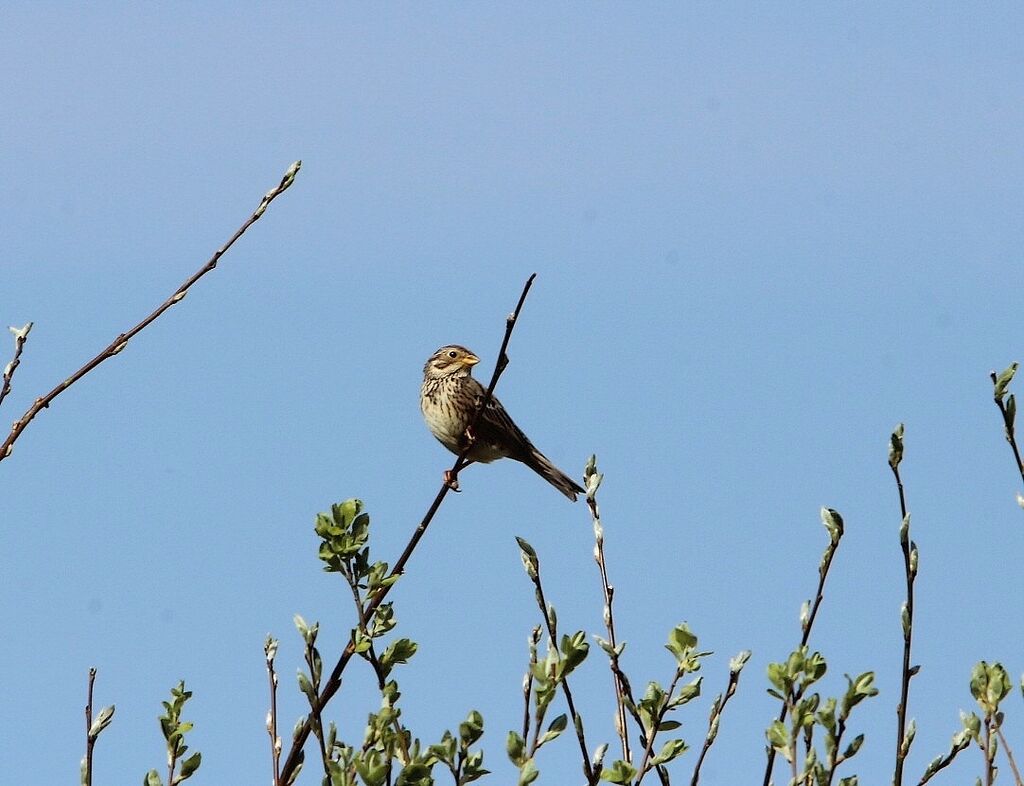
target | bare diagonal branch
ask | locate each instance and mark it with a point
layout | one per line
(122, 340)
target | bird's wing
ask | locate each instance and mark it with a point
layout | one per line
(497, 429)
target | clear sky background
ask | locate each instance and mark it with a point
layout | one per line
(764, 234)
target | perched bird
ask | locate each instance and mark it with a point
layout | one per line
(449, 398)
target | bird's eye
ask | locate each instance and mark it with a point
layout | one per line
(453, 354)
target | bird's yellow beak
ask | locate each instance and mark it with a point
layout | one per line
(471, 360)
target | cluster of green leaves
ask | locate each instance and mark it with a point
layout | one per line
(388, 753)
(792, 681)
(651, 710)
(387, 742)
(543, 679)
(174, 730)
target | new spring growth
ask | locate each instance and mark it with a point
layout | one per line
(896, 447)
(736, 664)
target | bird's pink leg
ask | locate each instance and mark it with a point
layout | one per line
(451, 480)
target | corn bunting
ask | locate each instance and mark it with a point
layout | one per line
(449, 398)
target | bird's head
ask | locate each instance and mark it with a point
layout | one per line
(448, 361)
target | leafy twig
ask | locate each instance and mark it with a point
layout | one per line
(333, 683)
(20, 335)
(174, 730)
(93, 728)
(961, 741)
(1008, 409)
(1009, 755)
(573, 649)
(904, 736)
(717, 708)
(122, 340)
(622, 689)
(270, 651)
(834, 524)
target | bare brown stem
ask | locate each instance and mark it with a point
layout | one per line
(90, 739)
(1009, 756)
(270, 651)
(591, 775)
(620, 684)
(20, 336)
(334, 680)
(713, 721)
(908, 628)
(819, 596)
(528, 681)
(986, 751)
(122, 339)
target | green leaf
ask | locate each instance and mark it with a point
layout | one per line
(574, 651)
(620, 773)
(778, 676)
(530, 561)
(681, 641)
(528, 773)
(471, 729)
(101, 721)
(736, 664)
(686, 693)
(853, 747)
(152, 779)
(778, 738)
(979, 680)
(189, 766)
(306, 686)
(860, 688)
(1003, 381)
(399, 651)
(557, 726)
(896, 446)
(833, 523)
(515, 747)
(669, 751)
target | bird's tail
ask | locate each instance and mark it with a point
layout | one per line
(539, 463)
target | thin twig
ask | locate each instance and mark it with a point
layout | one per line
(986, 751)
(716, 713)
(122, 340)
(334, 680)
(653, 731)
(528, 681)
(961, 741)
(90, 738)
(621, 685)
(318, 728)
(910, 570)
(371, 656)
(819, 596)
(270, 650)
(591, 776)
(1009, 756)
(20, 335)
(1008, 418)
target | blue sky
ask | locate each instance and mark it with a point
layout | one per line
(764, 234)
